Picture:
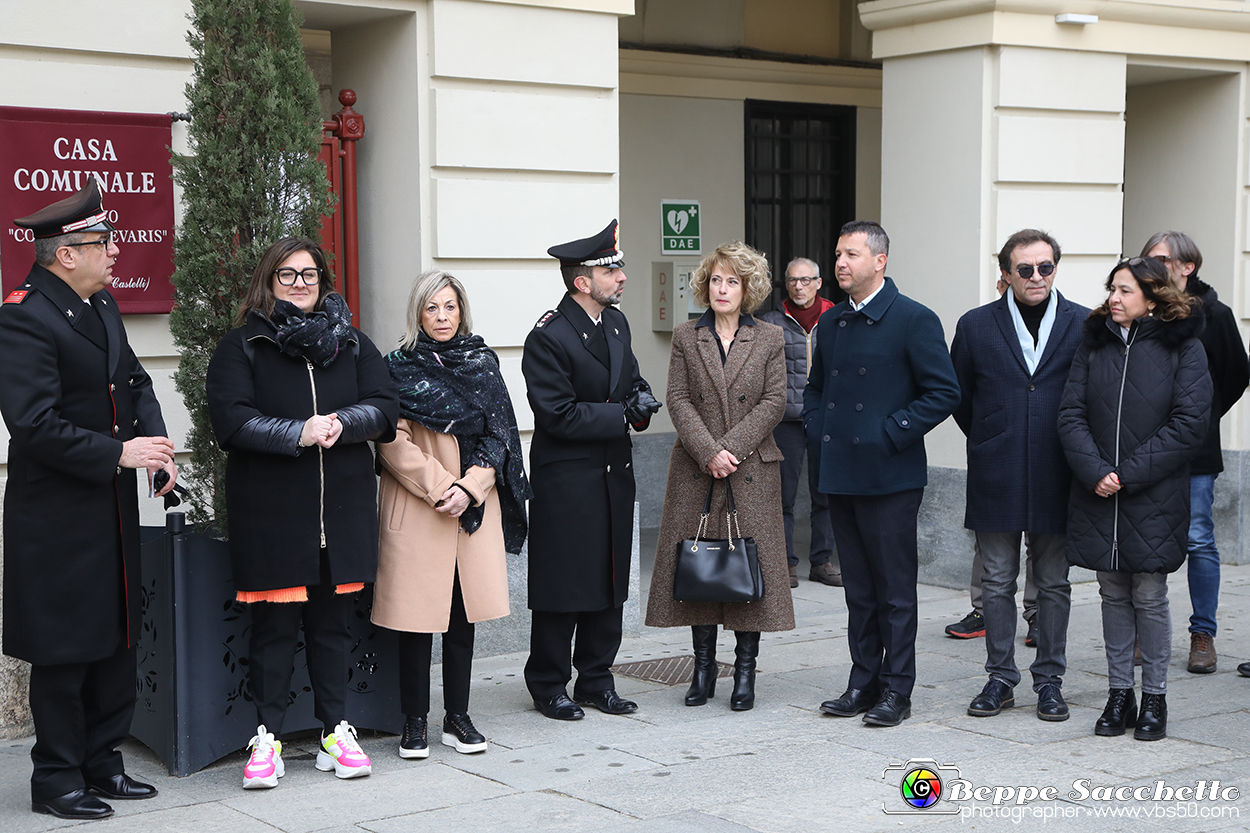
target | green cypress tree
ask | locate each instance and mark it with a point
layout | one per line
(252, 177)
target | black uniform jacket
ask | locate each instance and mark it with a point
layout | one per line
(286, 504)
(581, 470)
(71, 515)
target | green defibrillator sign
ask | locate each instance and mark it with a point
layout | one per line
(679, 224)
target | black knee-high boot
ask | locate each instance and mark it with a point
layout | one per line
(747, 649)
(703, 682)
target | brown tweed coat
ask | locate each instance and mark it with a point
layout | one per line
(735, 407)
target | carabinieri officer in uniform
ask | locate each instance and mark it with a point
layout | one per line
(586, 393)
(82, 417)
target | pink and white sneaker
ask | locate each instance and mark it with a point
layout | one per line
(265, 767)
(340, 752)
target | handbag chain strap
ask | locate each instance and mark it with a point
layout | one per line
(731, 515)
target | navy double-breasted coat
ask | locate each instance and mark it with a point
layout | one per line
(880, 380)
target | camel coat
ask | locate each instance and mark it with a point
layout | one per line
(734, 407)
(420, 550)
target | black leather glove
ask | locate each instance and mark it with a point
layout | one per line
(639, 406)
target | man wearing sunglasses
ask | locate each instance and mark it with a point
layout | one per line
(82, 417)
(1012, 358)
(1226, 361)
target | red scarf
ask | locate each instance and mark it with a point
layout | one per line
(807, 318)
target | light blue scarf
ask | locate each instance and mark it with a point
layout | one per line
(1033, 355)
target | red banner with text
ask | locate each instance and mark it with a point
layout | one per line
(49, 155)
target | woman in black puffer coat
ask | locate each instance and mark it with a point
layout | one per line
(1133, 414)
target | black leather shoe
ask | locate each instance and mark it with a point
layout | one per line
(1152, 718)
(73, 805)
(460, 734)
(1050, 705)
(1244, 669)
(852, 702)
(412, 743)
(606, 701)
(559, 707)
(703, 680)
(995, 697)
(1119, 714)
(892, 709)
(121, 788)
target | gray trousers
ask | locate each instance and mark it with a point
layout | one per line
(1000, 552)
(1030, 589)
(1135, 610)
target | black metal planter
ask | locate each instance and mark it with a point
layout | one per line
(194, 704)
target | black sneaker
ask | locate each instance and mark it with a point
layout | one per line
(1030, 638)
(458, 732)
(412, 742)
(969, 627)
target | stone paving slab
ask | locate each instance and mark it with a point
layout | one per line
(780, 768)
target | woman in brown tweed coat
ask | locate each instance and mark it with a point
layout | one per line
(726, 393)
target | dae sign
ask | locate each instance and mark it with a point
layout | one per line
(50, 154)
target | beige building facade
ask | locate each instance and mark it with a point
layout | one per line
(496, 128)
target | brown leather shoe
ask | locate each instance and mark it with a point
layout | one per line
(794, 576)
(825, 574)
(1202, 656)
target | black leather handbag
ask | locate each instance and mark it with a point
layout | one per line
(718, 570)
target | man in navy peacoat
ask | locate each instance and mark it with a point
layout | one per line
(881, 378)
(1012, 358)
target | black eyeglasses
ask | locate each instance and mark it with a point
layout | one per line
(1132, 261)
(805, 280)
(1044, 269)
(310, 276)
(103, 241)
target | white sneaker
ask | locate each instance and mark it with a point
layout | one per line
(340, 752)
(264, 767)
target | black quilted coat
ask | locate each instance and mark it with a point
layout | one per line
(1154, 394)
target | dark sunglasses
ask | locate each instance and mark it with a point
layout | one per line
(1044, 269)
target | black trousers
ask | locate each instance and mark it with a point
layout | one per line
(876, 538)
(414, 663)
(792, 441)
(275, 632)
(82, 713)
(598, 638)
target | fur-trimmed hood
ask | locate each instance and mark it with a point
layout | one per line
(1101, 331)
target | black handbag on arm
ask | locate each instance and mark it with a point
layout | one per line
(718, 570)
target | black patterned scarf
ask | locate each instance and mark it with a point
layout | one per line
(455, 387)
(317, 336)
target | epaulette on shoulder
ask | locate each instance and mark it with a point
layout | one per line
(17, 296)
(546, 316)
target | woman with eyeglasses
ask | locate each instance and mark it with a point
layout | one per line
(295, 393)
(726, 392)
(452, 503)
(1133, 415)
